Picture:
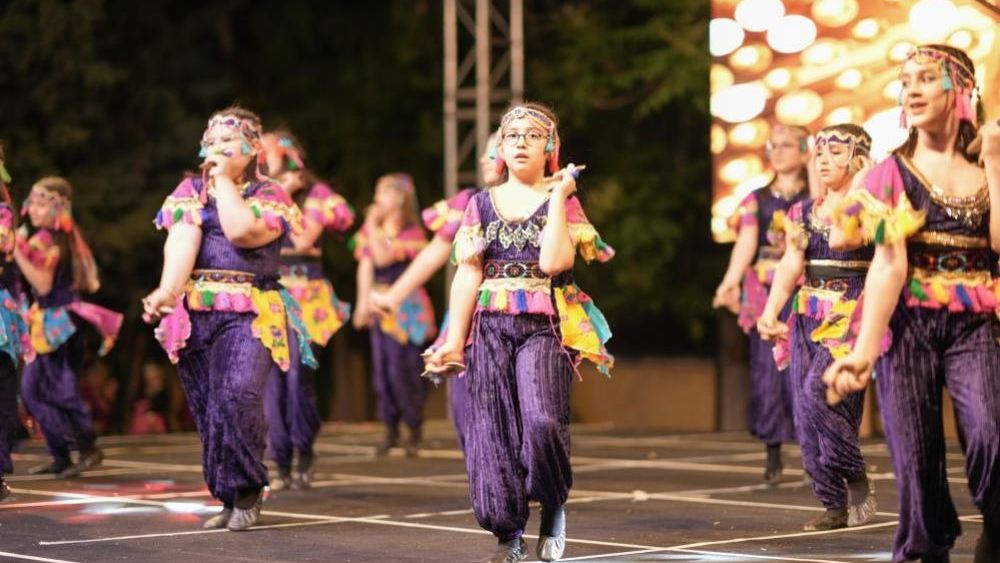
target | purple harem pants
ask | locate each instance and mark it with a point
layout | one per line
(223, 370)
(8, 411)
(293, 419)
(771, 409)
(51, 390)
(399, 389)
(518, 442)
(828, 436)
(933, 349)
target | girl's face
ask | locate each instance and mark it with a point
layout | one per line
(522, 147)
(388, 199)
(42, 210)
(833, 158)
(786, 153)
(926, 103)
(222, 143)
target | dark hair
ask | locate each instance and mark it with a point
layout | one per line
(82, 259)
(967, 132)
(403, 183)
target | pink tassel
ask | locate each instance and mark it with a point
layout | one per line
(955, 304)
(987, 298)
(902, 119)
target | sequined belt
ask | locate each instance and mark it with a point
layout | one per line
(223, 276)
(497, 269)
(312, 269)
(949, 260)
(835, 269)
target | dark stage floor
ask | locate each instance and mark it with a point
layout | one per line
(636, 498)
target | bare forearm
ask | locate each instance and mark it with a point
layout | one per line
(365, 280)
(786, 277)
(557, 253)
(179, 255)
(883, 285)
(744, 251)
(430, 260)
(39, 278)
(462, 302)
(309, 236)
(239, 223)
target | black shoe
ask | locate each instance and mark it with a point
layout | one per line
(987, 549)
(863, 504)
(509, 552)
(301, 481)
(54, 468)
(4, 490)
(90, 458)
(832, 519)
(413, 442)
(391, 440)
(552, 534)
(284, 480)
(71, 472)
(944, 558)
(774, 468)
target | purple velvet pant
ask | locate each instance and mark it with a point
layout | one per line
(51, 391)
(399, 389)
(931, 350)
(223, 370)
(828, 436)
(293, 419)
(458, 400)
(771, 410)
(518, 445)
(8, 411)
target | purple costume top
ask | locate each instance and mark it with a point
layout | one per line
(233, 279)
(48, 319)
(413, 322)
(833, 282)
(766, 209)
(13, 331)
(302, 274)
(514, 284)
(947, 237)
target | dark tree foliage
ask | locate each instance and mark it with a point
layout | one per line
(114, 94)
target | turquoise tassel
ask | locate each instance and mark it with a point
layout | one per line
(203, 152)
(245, 149)
(946, 83)
(550, 146)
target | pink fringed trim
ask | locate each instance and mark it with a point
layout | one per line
(174, 330)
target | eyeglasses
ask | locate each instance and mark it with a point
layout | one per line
(531, 138)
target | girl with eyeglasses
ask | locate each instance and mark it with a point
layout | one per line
(759, 222)
(530, 326)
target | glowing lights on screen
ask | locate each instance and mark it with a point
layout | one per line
(759, 15)
(800, 107)
(933, 20)
(740, 102)
(791, 34)
(724, 36)
(834, 13)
